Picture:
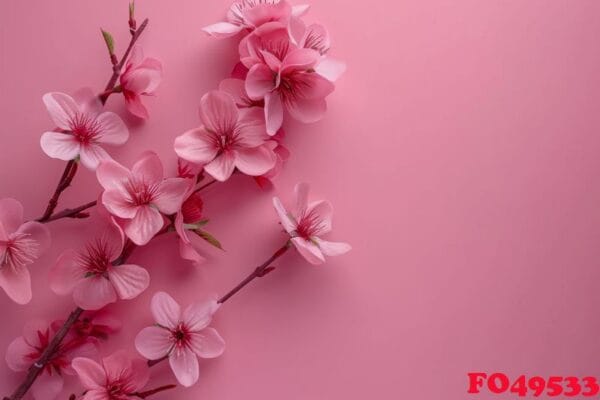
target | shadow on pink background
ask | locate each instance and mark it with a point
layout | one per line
(461, 151)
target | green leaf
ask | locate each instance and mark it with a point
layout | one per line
(209, 238)
(110, 42)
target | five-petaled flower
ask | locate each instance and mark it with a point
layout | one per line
(117, 378)
(228, 138)
(140, 77)
(139, 196)
(20, 245)
(93, 276)
(182, 336)
(82, 128)
(309, 222)
(27, 349)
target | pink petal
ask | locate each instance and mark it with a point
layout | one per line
(218, 112)
(272, 62)
(331, 69)
(170, 195)
(260, 81)
(96, 394)
(300, 60)
(333, 248)
(11, 215)
(188, 252)
(134, 104)
(139, 375)
(317, 38)
(222, 166)
(16, 354)
(308, 250)
(39, 233)
(198, 315)
(148, 168)
(307, 111)
(47, 386)
(324, 210)
(196, 145)
(16, 282)
(112, 175)
(165, 310)
(301, 191)
(66, 273)
(128, 280)
(112, 129)
(184, 364)
(153, 70)
(146, 223)
(93, 293)
(222, 29)
(262, 13)
(88, 101)
(117, 203)
(62, 146)
(117, 366)
(236, 88)
(286, 221)
(153, 342)
(92, 155)
(62, 108)
(255, 161)
(207, 343)
(32, 329)
(252, 131)
(300, 9)
(90, 373)
(273, 112)
(114, 238)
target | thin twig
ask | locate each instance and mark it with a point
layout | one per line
(70, 212)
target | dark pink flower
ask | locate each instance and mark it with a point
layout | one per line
(92, 275)
(183, 336)
(117, 378)
(141, 195)
(20, 245)
(82, 128)
(140, 77)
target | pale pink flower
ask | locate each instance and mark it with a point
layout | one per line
(182, 336)
(117, 378)
(284, 77)
(246, 15)
(190, 217)
(307, 224)
(140, 77)
(27, 349)
(229, 138)
(93, 277)
(20, 245)
(82, 128)
(140, 195)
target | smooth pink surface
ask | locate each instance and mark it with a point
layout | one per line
(460, 150)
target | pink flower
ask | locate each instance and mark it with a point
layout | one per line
(190, 217)
(93, 325)
(283, 76)
(27, 349)
(140, 196)
(282, 153)
(140, 77)
(20, 245)
(309, 222)
(228, 138)
(183, 336)
(82, 128)
(92, 275)
(250, 14)
(117, 378)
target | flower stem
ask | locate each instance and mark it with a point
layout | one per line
(64, 182)
(70, 212)
(258, 272)
(148, 393)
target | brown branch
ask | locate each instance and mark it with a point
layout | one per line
(64, 182)
(70, 212)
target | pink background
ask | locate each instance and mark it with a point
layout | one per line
(461, 153)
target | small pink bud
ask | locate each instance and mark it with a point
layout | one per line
(192, 209)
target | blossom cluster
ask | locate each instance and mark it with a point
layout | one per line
(284, 71)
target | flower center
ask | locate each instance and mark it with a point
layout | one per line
(180, 335)
(310, 224)
(85, 128)
(141, 193)
(19, 251)
(96, 258)
(291, 87)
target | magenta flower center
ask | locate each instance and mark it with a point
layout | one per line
(96, 258)
(85, 128)
(20, 250)
(292, 87)
(57, 362)
(117, 390)
(309, 224)
(181, 335)
(140, 193)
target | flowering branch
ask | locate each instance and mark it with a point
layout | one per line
(76, 212)
(63, 184)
